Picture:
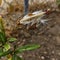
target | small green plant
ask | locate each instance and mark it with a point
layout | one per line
(5, 46)
(58, 2)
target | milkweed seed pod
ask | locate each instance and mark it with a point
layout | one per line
(34, 18)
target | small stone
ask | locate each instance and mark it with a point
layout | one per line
(59, 53)
(53, 59)
(21, 56)
(58, 40)
(49, 35)
(53, 52)
(42, 57)
(45, 52)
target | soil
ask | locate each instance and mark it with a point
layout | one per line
(46, 35)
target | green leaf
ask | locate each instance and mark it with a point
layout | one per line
(2, 37)
(1, 50)
(27, 47)
(2, 31)
(1, 54)
(6, 47)
(1, 25)
(0, 44)
(5, 53)
(58, 2)
(12, 39)
(15, 57)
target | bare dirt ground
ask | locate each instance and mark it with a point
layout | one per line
(48, 36)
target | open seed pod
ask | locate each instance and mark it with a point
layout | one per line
(32, 18)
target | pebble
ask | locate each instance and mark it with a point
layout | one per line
(53, 52)
(21, 56)
(59, 53)
(58, 40)
(42, 57)
(45, 52)
(53, 59)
